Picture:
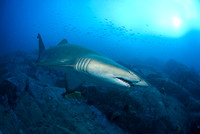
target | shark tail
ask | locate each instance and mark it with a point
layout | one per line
(41, 46)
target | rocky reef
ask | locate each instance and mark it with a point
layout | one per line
(31, 101)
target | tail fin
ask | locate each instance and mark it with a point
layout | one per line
(41, 46)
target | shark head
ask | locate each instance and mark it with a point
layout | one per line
(127, 78)
(110, 71)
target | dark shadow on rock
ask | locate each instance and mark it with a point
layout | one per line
(10, 90)
(195, 124)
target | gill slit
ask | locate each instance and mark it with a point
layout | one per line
(82, 64)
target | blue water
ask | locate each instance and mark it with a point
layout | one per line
(121, 33)
(157, 39)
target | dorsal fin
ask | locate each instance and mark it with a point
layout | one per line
(41, 46)
(64, 41)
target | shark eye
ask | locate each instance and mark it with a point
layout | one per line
(130, 71)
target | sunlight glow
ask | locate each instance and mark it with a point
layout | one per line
(177, 22)
(171, 18)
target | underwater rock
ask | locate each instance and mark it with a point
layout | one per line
(195, 124)
(3, 72)
(9, 90)
(184, 76)
(115, 116)
(140, 111)
(36, 93)
(7, 123)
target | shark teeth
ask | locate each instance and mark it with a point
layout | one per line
(123, 81)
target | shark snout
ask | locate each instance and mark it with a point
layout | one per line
(133, 79)
(142, 83)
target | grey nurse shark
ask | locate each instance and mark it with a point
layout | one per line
(84, 65)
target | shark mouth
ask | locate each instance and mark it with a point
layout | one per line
(124, 81)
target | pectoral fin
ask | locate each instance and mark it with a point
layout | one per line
(72, 81)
